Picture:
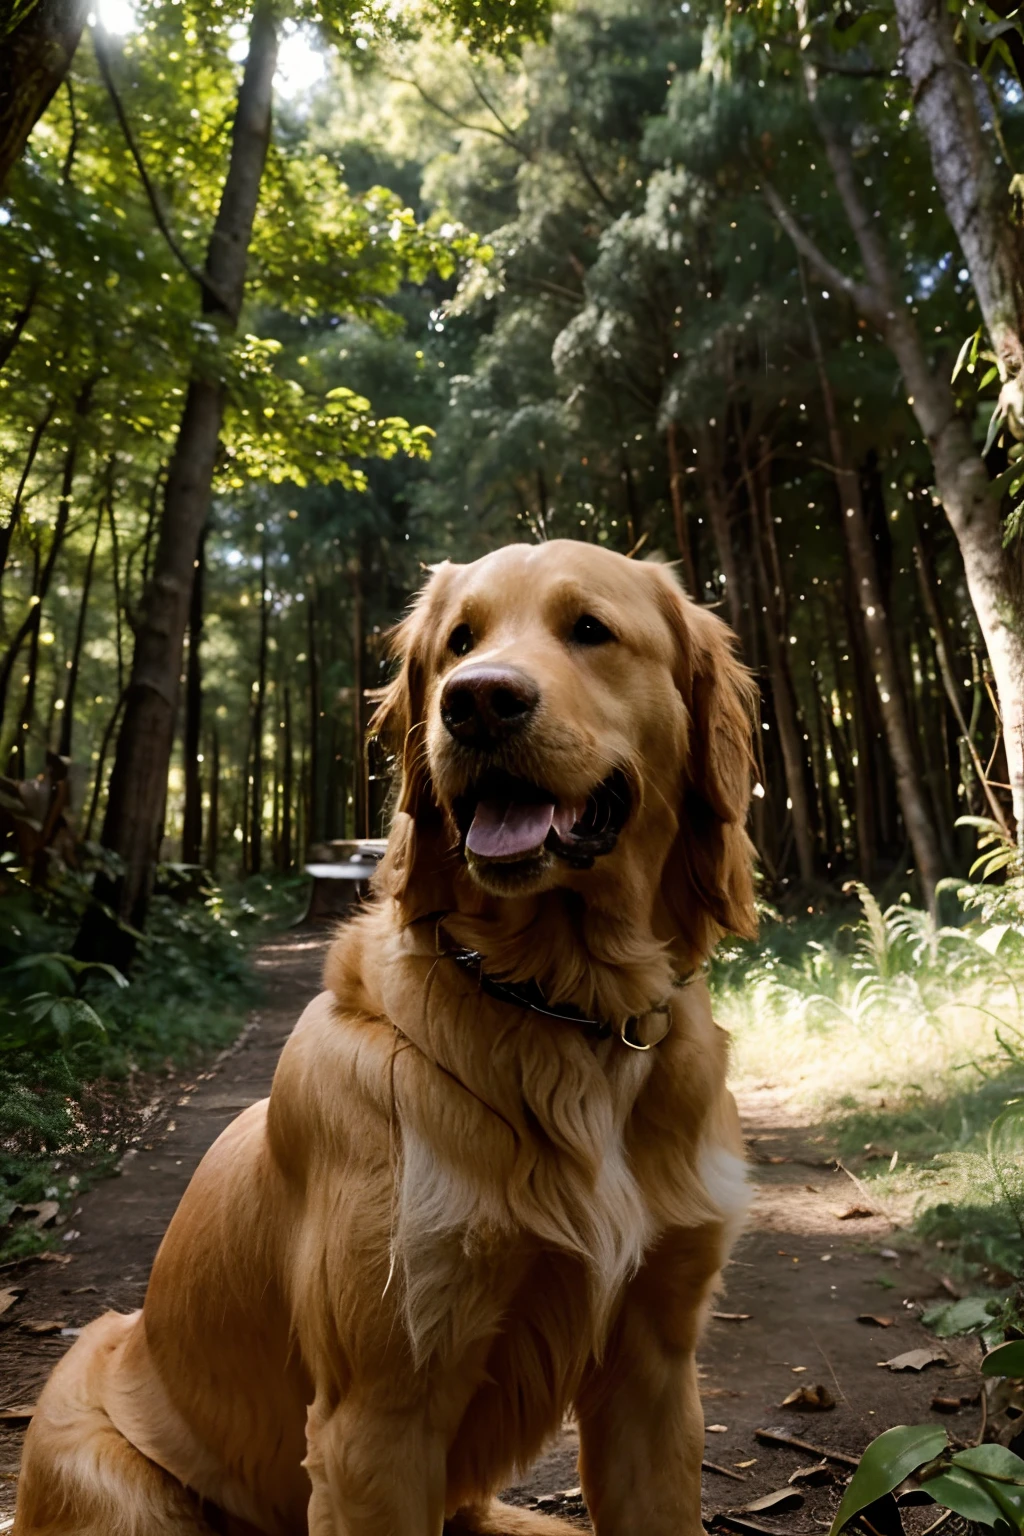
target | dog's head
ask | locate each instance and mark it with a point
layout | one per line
(567, 719)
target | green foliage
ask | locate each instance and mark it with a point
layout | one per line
(984, 1483)
(886, 1462)
(66, 1082)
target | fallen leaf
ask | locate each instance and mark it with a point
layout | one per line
(781, 1499)
(751, 1463)
(854, 1213)
(732, 1317)
(946, 1404)
(9, 1297)
(916, 1360)
(876, 1320)
(949, 1287)
(43, 1327)
(17, 1413)
(812, 1189)
(54, 1258)
(809, 1400)
(717, 1429)
(815, 1476)
(776, 1160)
(45, 1211)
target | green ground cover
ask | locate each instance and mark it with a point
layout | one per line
(81, 1047)
(906, 1037)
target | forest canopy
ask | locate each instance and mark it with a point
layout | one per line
(298, 301)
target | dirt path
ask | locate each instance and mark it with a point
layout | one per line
(800, 1279)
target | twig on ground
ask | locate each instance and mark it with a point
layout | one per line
(871, 1200)
(712, 1466)
(778, 1437)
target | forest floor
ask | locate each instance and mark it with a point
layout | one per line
(803, 1278)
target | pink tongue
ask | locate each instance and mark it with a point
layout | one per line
(504, 830)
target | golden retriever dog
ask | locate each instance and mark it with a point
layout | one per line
(499, 1171)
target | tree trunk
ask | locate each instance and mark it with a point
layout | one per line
(192, 821)
(67, 719)
(40, 587)
(783, 693)
(115, 575)
(18, 324)
(313, 672)
(952, 108)
(34, 59)
(360, 787)
(944, 657)
(256, 807)
(961, 478)
(917, 817)
(132, 824)
(716, 498)
(213, 814)
(675, 483)
(7, 533)
(97, 783)
(287, 785)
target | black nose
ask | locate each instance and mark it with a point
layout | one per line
(483, 705)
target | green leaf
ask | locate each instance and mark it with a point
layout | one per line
(992, 1461)
(994, 425)
(955, 1317)
(886, 1462)
(968, 352)
(1007, 1360)
(965, 1494)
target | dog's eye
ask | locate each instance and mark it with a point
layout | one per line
(590, 631)
(460, 640)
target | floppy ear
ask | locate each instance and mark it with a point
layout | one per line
(708, 879)
(420, 859)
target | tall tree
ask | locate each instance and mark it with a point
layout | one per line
(954, 109)
(132, 825)
(38, 39)
(192, 815)
(961, 478)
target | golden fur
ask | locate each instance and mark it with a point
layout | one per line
(456, 1219)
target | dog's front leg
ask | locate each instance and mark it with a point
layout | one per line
(374, 1470)
(640, 1415)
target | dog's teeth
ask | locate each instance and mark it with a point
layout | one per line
(566, 818)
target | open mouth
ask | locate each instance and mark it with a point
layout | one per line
(503, 819)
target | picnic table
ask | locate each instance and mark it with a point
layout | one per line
(340, 872)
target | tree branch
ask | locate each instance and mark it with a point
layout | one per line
(99, 37)
(866, 298)
(459, 122)
(513, 137)
(591, 179)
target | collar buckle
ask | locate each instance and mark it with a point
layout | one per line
(642, 1031)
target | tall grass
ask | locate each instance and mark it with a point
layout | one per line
(907, 1036)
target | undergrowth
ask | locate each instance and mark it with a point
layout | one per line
(906, 1036)
(80, 1045)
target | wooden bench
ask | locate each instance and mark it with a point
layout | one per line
(340, 871)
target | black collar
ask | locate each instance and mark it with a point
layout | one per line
(528, 994)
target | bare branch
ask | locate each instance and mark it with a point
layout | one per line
(591, 179)
(99, 36)
(867, 300)
(459, 122)
(513, 137)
